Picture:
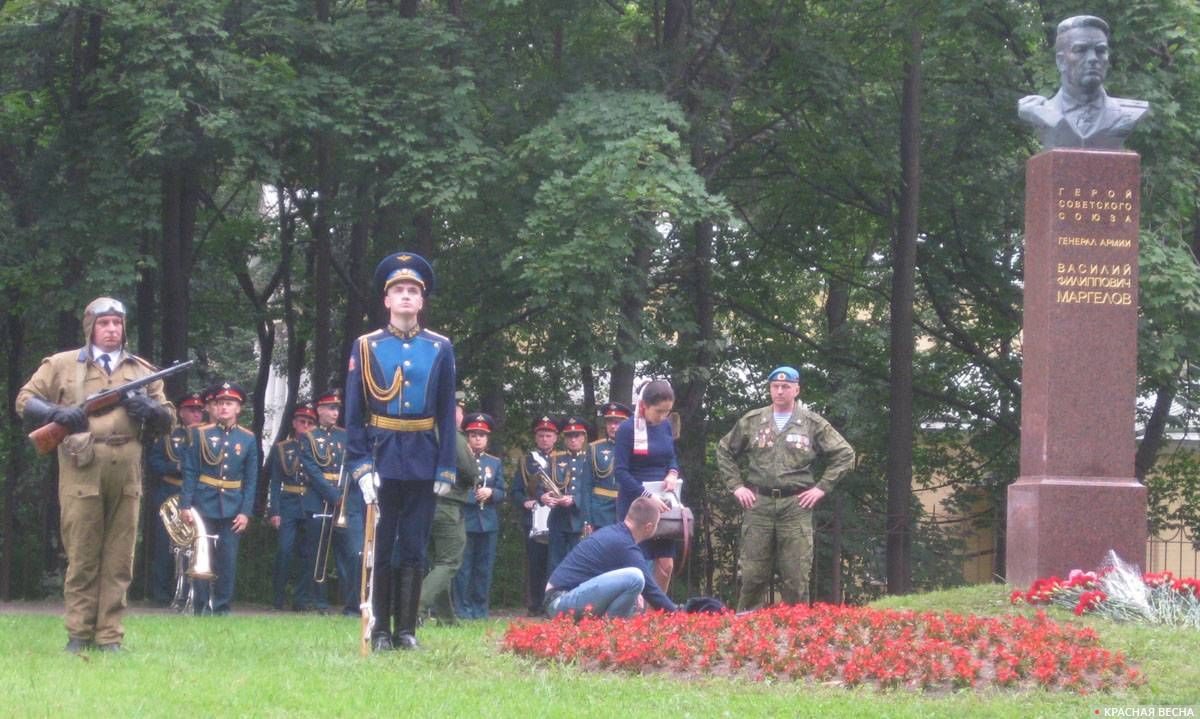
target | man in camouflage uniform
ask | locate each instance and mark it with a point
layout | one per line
(780, 443)
(99, 468)
(448, 538)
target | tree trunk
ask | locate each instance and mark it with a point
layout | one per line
(629, 329)
(354, 321)
(1152, 438)
(904, 253)
(145, 299)
(180, 198)
(15, 464)
(322, 261)
(696, 284)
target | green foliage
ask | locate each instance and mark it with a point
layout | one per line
(563, 164)
(1174, 496)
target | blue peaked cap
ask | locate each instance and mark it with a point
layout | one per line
(400, 266)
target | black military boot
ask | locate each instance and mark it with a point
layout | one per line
(381, 605)
(408, 598)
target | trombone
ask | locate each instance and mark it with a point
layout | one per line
(325, 539)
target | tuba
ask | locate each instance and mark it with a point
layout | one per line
(193, 560)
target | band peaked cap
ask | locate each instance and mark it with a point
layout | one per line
(400, 266)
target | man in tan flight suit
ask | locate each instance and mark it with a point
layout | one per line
(100, 468)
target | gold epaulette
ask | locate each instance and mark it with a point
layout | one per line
(437, 336)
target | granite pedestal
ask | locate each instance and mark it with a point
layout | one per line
(1077, 497)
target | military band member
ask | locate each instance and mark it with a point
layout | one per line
(570, 465)
(525, 493)
(777, 493)
(321, 455)
(449, 535)
(597, 492)
(99, 469)
(290, 510)
(220, 471)
(401, 437)
(473, 583)
(164, 462)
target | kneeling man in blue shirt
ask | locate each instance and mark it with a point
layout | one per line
(605, 574)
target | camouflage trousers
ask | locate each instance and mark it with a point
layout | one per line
(99, 531)
(777, 537)
(446, 543)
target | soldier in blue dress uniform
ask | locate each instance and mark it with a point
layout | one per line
(321, 453)
(526, 491)
(597, 492)
(473, 583)
(220, 471)
(290, 506)
(401, 436)
(163, 460)
(570, 466)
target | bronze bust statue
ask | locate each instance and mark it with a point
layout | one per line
(1081, 114)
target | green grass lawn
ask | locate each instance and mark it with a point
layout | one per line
(302, 665)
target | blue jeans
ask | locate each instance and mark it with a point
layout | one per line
(612, 594)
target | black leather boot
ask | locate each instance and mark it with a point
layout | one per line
(381, 605)
(408, 598)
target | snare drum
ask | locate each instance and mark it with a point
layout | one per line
(540, 531)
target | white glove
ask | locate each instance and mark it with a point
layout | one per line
(369, 484)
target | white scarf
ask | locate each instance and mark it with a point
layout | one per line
(641, 442)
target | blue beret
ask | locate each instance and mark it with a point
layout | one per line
(784, 374)
(400, 266)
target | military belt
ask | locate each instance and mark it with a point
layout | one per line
(331, 477)
(113, 440)
(400, 425)
(775, 492)
(294, 488)
(173, 481)
(602, 492)
(220, 483)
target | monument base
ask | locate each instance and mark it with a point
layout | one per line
(1056, 524)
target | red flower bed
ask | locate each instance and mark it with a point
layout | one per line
(837, 644)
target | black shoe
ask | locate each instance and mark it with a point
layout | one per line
(381, 642)
(113, 647)
(75, 646)
(405, 641)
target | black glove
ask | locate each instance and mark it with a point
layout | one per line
(73, 418)
(144, 409)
